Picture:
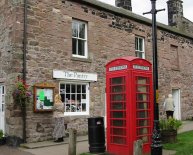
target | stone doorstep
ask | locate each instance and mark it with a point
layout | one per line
(169, 152)
(51, 143)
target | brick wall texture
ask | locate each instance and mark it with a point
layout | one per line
(49, 47)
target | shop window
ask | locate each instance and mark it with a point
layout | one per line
(79, 39)
(139, 47)
(75, 98)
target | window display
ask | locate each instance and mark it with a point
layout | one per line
(75, 98)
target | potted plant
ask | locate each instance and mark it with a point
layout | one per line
(169, 129)
(2, 138)
(21, 93)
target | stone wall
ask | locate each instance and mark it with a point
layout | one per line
(11, 26)
(110, 35)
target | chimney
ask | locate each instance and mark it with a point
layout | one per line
(175, 12)
(126, 4)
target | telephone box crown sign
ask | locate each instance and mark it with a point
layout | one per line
(129, 62)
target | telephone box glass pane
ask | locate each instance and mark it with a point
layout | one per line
(143, 105)
(118, 97)
(118, 89)
(118, 106)
(118, 131)
(143, 89)
(118, 123)
(141, 123)
(143, 80)
(118, 80)
(118, 140)
(142, 114)
(142, 131)
(142, 97)
(145, 139)
(118, 114)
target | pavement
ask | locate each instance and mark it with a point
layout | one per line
(52, 148)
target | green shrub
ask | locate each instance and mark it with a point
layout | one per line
(170, 124)
(1, 134)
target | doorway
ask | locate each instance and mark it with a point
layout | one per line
(176, 97)
(2, 107)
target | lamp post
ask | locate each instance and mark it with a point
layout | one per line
(156, 146)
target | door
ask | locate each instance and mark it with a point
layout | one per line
(144, 109)
(117, 110)
(2, 107)
(117, 114)
(176, 97)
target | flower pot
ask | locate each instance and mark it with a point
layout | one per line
(169, 136)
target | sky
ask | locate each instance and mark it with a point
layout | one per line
(162, 17)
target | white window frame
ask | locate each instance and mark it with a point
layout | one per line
(85, 40)
(143, 49)
(87, 99)
(2, 108)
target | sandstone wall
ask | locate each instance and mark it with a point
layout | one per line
(11, 36)
(110, 35)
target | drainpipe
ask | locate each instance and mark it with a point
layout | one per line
(24, 66)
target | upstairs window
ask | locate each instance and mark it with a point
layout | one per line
(139, 47)
(79, 39)
(174, 59)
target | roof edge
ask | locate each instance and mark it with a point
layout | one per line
(133, 16)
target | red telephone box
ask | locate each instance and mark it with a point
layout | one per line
(129, 104)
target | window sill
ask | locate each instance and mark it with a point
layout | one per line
(75, 114)
(81, 59)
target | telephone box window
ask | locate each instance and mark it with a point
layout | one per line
(118, 110)
(143, 107)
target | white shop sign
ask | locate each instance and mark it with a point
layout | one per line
(73, 75)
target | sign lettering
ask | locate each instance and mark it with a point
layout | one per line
(141, 67)
(118, 68)
(74, 75)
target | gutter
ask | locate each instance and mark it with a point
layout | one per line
(24, 40)
(24, 66)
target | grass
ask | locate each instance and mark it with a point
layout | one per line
(184, 144)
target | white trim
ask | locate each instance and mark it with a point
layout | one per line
(2, 105)
(85, 40)
(143, 50)
(177, 103)
(87, 99)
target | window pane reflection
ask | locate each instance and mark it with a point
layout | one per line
(142, 114)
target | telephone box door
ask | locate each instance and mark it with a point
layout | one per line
(143, 107)
(117, 113)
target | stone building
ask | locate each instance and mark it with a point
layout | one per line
(67, 43)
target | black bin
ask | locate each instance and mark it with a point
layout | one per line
(96, 135)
